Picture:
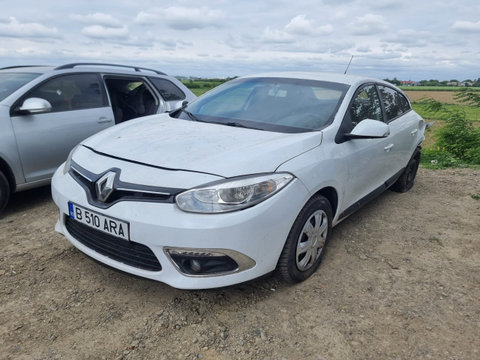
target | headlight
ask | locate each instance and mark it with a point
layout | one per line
(232, 194)
(68, 162)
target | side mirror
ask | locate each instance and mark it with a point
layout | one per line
(35, 106)
(369, 129)
(179, 105)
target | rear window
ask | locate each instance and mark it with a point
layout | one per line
(10, 82)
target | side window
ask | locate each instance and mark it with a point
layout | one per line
(404, 104)
(365, 105)
(394, 102)
(168, 90)
(131, 97)
(71, 92)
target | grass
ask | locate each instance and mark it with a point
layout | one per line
(201, 86)
(436, 88)
(472, 113)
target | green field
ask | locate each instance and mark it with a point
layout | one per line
(436, 88)
(201, 86)
(472, 113)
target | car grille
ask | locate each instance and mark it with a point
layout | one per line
(121, 191)
(127, 252)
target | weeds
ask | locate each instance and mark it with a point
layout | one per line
(457, 143)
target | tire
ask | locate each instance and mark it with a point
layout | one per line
(4, 191)
(407, 179)
(306, 242)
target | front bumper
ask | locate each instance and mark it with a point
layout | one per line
(253, 237)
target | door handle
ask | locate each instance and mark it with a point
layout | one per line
(414, 132)
(388, 147)
(104, 120)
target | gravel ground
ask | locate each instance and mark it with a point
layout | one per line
(400, 280)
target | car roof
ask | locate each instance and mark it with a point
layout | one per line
(41, 69)
(319, 76)
(78, 67)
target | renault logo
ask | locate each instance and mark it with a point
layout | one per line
(104, 186)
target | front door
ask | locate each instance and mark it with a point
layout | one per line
(79, 109)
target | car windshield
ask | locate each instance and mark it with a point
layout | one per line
(273, 104)
(9, 82)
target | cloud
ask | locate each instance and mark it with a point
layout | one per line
(97, 19)
(369, 24)
(276, 36)
(410, 38)
(364, 49)
(383, 4)
(298, 30)
(102, 32)
(14, 28)
(181, 18)
(300, 25)
(467, 26)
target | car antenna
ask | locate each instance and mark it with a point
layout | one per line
(348, 65)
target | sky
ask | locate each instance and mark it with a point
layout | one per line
(407, 40)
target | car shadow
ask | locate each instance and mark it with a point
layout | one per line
(28, 199)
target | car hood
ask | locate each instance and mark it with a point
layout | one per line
(226, 151)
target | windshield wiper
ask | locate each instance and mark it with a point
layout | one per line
(191, 116)
(235, 124)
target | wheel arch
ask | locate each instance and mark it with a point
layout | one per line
(330, 193)
(5, 169)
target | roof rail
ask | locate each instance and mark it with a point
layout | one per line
(21, 66)
(136, 68)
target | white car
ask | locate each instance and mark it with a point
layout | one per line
(248, 179)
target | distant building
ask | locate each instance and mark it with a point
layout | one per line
(409, 83)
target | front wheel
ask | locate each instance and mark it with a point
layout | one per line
(4, 191)
(306, 242)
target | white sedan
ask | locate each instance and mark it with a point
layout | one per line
(247, 179)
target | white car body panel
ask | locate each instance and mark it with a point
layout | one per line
(224, 150)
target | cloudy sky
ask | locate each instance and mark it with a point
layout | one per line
(409, 40)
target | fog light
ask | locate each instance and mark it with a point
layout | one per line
(202, 263)
(208, 262)
(195, 265)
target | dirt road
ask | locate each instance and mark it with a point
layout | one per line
(400, 280)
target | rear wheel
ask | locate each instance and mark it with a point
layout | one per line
(306, 242)
(406, 180)
(4, 191)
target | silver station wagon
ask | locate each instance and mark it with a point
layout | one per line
(46, 111)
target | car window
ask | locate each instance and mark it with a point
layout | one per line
(168, 90)
(394, 102)
(365, 105)
(9, 82)
(273, 104)
(71, 92)
(131, 97)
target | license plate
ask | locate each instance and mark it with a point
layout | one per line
(107, 224)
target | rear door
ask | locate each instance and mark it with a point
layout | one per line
(79, 109)
(172, 94)
(404, 125)
(131, 97)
